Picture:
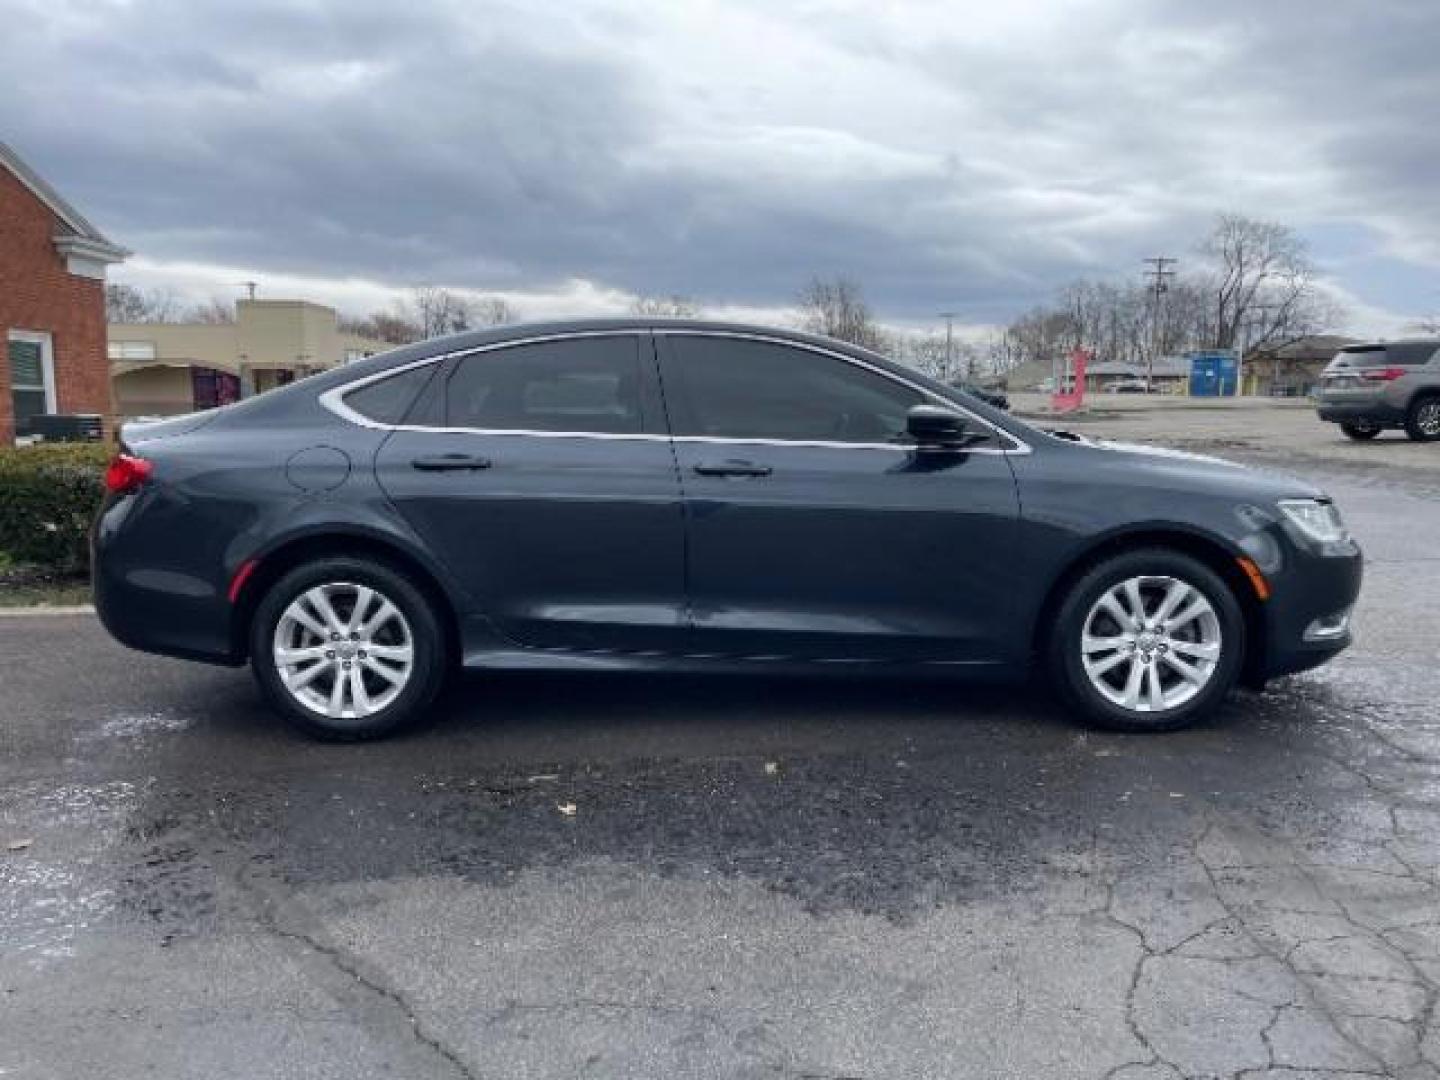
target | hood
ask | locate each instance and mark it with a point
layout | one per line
(1163, 451)
(1202, 474)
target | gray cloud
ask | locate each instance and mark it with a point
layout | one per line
(944, 157)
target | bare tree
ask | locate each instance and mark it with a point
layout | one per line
(1002, 353)
(382, 326)
(437, 311)
(128, 304)
(430, 311)
(673, 306)
(838, 309)
(925, 353)
(492, 311)
(1262, 284)
(213, 312)
(928, 354)
(1256, 287)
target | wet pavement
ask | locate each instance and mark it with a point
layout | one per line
(759, 879)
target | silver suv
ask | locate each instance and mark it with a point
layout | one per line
(1395, 384)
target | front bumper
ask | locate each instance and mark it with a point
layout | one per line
(1310, 587)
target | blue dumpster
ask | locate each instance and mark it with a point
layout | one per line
(1214, 374)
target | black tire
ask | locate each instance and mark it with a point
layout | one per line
(1360, 431)
(1421, 418)
(1064, 655)
(426, 640)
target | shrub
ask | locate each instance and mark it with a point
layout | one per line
(48, 497)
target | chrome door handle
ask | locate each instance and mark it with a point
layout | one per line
(451, 463)
(732, 468)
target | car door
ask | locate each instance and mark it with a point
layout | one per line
(812, 530)
(545, 481)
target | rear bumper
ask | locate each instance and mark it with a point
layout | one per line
(1310, 588)
(1375, 411)
(153, 610)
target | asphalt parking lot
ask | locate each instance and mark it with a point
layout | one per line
(667, 878)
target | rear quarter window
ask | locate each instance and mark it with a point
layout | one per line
(388, 401)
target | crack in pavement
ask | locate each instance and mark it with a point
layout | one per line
(281, 916)
(1302, 976)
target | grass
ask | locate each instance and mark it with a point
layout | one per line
(34, 586)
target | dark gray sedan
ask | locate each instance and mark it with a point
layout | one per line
(622, 495)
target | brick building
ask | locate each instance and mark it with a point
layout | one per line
(52, 303)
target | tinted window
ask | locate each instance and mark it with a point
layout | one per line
(756, 390)
(388, 400)
(580, 384)
(1404, 354)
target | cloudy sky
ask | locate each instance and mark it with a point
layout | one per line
(948, 155)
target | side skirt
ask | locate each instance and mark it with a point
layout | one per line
(512, 659)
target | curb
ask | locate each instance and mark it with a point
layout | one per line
(44, 609)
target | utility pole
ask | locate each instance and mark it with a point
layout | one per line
(1247, 344)
(1159, 285)
(949, 317)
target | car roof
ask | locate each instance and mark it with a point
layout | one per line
(514, 331)
(399, 357)
(496, 335)
(1368, 346)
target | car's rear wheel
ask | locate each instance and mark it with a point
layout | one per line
(1149, 640)
(1360, 430)
(1422, 420)
(347, 648)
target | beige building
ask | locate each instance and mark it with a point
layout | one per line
(1291, 368)
(161, 369)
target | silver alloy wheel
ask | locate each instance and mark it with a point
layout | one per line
(1151, 643)
(343, 650)
(1427, 417)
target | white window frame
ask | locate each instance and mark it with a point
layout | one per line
(47, 363)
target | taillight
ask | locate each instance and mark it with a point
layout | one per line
(1388, 374)
(126, 473)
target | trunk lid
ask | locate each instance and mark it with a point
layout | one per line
(135, 433)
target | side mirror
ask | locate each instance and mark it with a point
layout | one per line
(934, 427)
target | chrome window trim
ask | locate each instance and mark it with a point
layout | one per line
(334, 398)
(1020, 447)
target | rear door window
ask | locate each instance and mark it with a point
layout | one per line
(585, 385)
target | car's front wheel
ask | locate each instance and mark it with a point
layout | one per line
(347, 648)
(1360, 430)
(1149, 640)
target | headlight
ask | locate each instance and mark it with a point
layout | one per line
(1319, 521)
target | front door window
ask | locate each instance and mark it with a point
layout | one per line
(739, 389)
